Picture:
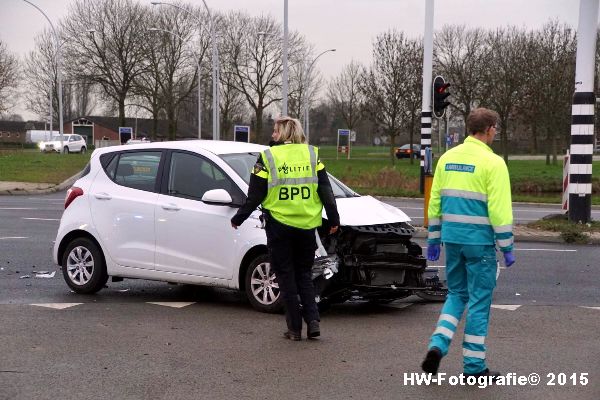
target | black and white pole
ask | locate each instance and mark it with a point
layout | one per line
(427, 81)
(582, 124)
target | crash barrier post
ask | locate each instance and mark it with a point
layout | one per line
(428, 180)
(565, 185)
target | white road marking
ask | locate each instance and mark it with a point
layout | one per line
(399, 305)
(509, 307)
(41, 219)
(173, 304)
(559, 250)
(591, 308)
(57, 306)
(13, 237)
(18, 208)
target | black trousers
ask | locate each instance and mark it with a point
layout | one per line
(292, 253)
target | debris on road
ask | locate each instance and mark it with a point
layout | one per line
(25, 277)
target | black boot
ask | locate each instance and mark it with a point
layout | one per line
(313, 329)
(432, 361)
(295, 336)
(485, 372)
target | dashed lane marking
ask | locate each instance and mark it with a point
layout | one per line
(57, 306)
(591, 308)
(13, 237)
(509, 307)
(173, 304)
(42, 219)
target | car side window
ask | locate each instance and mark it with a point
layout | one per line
(137, 170)
(191, 176)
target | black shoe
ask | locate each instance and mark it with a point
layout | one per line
(432, 361)
(295, 336)
(313, 330)
(485, 372)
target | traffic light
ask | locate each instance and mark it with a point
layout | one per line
(440, 93)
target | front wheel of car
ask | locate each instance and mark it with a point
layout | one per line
(66, 150)
(83, 266)
(262, 288)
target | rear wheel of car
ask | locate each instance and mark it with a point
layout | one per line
(83, 150)
(66, 150)
(83, 266)
(262, 288)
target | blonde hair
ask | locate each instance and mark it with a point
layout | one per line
(290, 130)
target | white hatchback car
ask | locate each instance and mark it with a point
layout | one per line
(162, 211)
(71, 144)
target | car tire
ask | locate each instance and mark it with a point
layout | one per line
(83, 150)
(66, 150)
(83, 266)
(261, 286)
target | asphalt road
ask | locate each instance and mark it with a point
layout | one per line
(522, 212)
(209, 343)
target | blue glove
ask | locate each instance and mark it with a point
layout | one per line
(433, 252)
(509, 258)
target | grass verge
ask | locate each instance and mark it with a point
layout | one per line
(33, 166)
(570, 232)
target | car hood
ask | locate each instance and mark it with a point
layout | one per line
(366, 210)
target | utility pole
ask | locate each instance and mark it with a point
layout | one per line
(427, 82)
(582, 125)
(284, 91)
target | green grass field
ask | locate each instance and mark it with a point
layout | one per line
(369, 171)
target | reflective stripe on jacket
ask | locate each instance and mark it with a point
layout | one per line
(470, 198)
(291, 172)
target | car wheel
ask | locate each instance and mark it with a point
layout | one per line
(262, 288)
(83, 266)
(66, 150)
(83, 150)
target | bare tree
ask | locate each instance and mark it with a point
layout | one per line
(548, 88)
(461, 55)
(345, 94)
(256, 61)
(388, 81)
(8, 78)
(503, 76)
(105, 44)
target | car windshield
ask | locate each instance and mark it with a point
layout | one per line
(57, 137)
(243, 163)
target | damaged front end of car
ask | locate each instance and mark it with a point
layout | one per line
(378, 263)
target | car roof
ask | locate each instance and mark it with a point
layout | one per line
(214, 146)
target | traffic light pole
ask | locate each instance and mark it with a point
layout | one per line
(427, 81)
(582, 123)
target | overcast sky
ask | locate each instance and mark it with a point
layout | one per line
(346, 25)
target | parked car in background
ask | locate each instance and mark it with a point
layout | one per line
(405, 151)
(71, 144)
(162, 211)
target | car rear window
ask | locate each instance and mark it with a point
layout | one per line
(137, 170)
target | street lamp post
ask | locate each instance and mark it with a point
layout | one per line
(284, 91)
(198, 85)
(215, 61)
(58, 74)
(306, 105)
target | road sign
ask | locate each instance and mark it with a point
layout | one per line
(345, 147)
(125, 133)
(241, 133)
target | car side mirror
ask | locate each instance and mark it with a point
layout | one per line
(217, 197)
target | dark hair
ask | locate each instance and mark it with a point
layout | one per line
(481, 119)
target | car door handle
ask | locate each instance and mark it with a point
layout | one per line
(171, 207)
(103, 196)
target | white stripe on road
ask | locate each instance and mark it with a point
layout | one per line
(509, 307)
(13, 237)
(559, 250)
(173, 304)
(41, 219)
(17, 208)
(57, 306)
(591, 308)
